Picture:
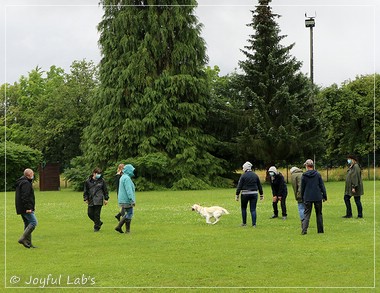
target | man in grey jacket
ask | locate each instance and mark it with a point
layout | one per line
(313, 192)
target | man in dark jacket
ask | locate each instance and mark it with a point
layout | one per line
(95, 194)
(279, 191)
(313, 191)
(25, 204)
(249, 185)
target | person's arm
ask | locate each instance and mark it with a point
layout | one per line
(105, 191)
(25, 191)
(323, 188)
(298, 187)
(85, 192)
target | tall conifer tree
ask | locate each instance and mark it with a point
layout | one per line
(281, 124)
(152, 101)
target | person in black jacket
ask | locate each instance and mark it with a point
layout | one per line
(95, 195)
(279, 192)
(313, 191)
(25, 204)
(249, 185)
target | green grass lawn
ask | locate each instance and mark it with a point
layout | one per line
(171, 248)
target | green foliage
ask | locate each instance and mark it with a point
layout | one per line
(152, 103)
(78, 173)
(279, 101)
(14, 159)
(48, 110)
(350, 116)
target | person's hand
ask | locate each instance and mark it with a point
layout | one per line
(262, 197)
(274, 198)
(279, 198)
(105, 202)
(29, 211)
(353, 190)
(237, 197)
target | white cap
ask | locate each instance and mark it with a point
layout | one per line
(247, 166)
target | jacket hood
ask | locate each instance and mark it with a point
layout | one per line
(310, 173)
(295, 170)
(129, 169)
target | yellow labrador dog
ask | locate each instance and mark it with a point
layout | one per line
(210, 212)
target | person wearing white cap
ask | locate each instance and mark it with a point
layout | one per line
(249, 185)
(313, 192)
(279, 192)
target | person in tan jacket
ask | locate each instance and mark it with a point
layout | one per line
(296, 175)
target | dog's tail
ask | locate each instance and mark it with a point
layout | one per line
(225, 212)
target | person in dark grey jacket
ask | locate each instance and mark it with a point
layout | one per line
(353, 187)
(25, 205)
(95, 195)
(313, 192)
(249, 186)
(279, 192)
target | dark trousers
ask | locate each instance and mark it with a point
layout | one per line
(318, 213)
(347, 201)
(252, 199)
(93, 213)
(283, 207)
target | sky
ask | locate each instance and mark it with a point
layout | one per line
(57, 32)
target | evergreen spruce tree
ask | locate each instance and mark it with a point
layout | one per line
(153, 95)
(280, 124)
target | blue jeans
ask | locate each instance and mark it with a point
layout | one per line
(301, 210)
(129, 213)
(29, 218)
(252, 199)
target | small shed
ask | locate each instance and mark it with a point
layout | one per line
(49, 176)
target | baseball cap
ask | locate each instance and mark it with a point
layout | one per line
(309, 162)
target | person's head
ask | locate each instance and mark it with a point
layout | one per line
(28, 173)
(129, 170)
(120, 168)
(352, 159)
(309, 164)
(97, 173)
(247, 166)
(272, 171)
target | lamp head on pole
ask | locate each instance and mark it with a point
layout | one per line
(310, 22)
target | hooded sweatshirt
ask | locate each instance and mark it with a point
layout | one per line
(126, 194)
(312, 187)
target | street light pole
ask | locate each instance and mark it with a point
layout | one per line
(310, 22)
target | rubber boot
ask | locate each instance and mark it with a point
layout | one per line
(118, 227)
(128, 225)
(27, 233)
(29, 239)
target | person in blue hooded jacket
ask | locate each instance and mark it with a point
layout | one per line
(313, 192)
(126, 198)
